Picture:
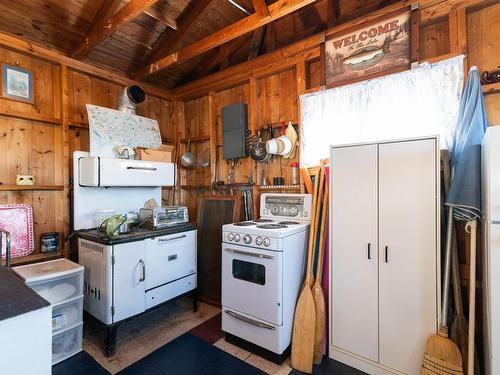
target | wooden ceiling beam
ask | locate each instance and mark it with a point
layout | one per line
(162, 17)
(276, 10)
(102, 30)
(189, 17)
(260, 7)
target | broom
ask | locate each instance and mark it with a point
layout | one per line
(442, 356)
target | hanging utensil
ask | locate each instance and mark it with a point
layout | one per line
(258, 149)
(188, 159)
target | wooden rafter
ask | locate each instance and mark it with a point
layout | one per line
(256, 43)
(103, 29)
(162, 17)
(260, 7)
(189, 17)
(276, 10)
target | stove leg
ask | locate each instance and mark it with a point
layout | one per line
(110, 340)
(195, 300)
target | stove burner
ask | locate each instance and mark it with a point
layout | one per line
(289, 222)
(263, 221)
(245, 223)
(271, 226)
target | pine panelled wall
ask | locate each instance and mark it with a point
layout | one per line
(40, 137)
(37, 140)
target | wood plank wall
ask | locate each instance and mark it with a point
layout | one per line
(274, 97)
(39, 138)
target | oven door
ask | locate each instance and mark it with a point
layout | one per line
(252, 282)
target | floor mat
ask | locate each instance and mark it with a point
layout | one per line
(190, 355)
(80, 364)
(329, 366)
(210, 330)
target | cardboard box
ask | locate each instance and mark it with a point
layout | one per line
(164, 154)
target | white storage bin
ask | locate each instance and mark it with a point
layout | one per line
(67, 343)
(57, 281)
(67, 314)
(59, 290)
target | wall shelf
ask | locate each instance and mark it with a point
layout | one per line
(195, 187)
(278, 187)
(35, 258)
(30, 187)
(30, 117)
(491, 88)
(203, 138)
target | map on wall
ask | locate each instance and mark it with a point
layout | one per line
(110, 128)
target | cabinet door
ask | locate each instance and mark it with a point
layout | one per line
(169, 258)
(128, 284)
(354, 246)
(407, 255)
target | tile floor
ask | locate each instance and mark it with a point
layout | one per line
(141, 336)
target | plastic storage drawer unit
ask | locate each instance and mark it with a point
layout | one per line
(61, 283)
(67, 314)
(67, 343)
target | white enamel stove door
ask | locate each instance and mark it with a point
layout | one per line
(252, 282)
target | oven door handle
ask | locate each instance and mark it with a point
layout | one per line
(171, 238)
(256, 255)
(250, 321)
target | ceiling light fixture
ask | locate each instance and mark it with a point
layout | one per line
(233, 2)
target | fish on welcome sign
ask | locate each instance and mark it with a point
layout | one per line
(363, 56)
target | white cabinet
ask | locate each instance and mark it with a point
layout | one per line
(128, 281)
(385, 257)
(355, 312)
(169, 258)
(96, 171)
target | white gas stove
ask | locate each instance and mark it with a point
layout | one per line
(263, 263)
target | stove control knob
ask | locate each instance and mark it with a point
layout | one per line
(258, 241)
(275, 210)
(230, 236)
(293, 211)
(237, 237)
(247, 239)
(267, 241)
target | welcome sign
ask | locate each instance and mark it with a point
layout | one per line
(371, 50)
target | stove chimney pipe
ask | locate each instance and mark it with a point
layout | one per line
(131, 96)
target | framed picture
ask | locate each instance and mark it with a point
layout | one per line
(375, 48)
(17, 83)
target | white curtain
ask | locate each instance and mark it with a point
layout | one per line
(418, 102)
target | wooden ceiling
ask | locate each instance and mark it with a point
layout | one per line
(187, 39)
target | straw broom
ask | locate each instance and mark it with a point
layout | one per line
(442, 356)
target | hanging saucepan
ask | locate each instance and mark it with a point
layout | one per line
(258, 149)
(188, 159)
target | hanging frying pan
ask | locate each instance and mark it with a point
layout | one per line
(258, 149)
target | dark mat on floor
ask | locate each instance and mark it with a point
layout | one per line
(329, 366)
(210, 330)
(80, 364)
(190, 355)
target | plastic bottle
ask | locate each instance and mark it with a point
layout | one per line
(295, 175)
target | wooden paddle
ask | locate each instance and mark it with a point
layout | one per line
(305, 313)
(306, 178)
(318, 295)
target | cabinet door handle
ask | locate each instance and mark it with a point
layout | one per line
(143, 268)
(369, 251)
(387, 254)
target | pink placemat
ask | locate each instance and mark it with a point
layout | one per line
(17, 219)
